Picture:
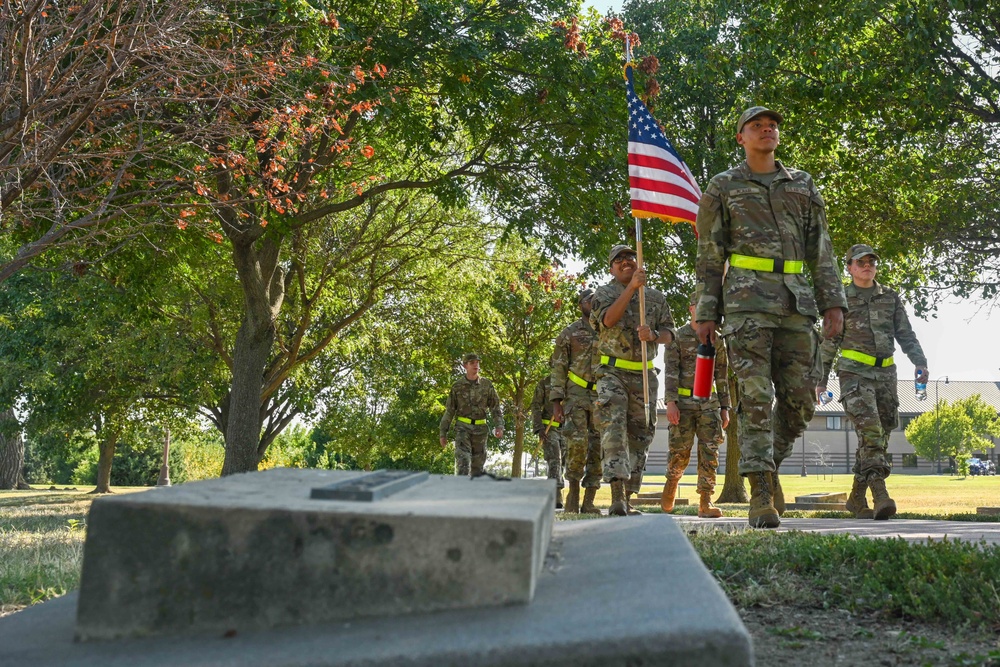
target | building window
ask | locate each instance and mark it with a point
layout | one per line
(833, 423)
(909, 460)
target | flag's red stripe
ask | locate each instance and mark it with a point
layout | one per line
(660, 209)
(657, 163)
(664, 187)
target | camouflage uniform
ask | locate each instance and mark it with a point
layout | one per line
(868, 392)
(768, 316)
(573, 353)
(626, 429)
(553, 443)
(698, 417)
(470, 400)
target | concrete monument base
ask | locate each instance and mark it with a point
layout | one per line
(612, 593)
(292, 547)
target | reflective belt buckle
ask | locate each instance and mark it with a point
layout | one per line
(867, 359)
(577, 380)
(624, 363)
(765, 264)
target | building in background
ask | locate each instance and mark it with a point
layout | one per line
(829, 443)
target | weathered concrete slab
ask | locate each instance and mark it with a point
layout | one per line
(820, 501)
(254, 551)
(602, 600)
(821, 498)
(644, 498)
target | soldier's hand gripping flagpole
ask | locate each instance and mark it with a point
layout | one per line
(642, 315)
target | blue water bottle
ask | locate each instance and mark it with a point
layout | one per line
(920, 386)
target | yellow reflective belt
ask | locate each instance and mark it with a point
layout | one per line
(550, 422)
(576, 379)
(683, 391)
(764, 264)
(867, 359)
(623, 363)
(474, 422)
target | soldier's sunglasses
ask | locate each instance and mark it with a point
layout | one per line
(622, 257)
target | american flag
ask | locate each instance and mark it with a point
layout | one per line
(661, 184)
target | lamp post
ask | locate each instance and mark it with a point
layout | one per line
(937, 423)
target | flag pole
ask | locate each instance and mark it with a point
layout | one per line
(642, 314)
(638, 259)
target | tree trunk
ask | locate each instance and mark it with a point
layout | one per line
(107, 455)
(11, 453)
(733, 488)
(515, 468)
(263, 292)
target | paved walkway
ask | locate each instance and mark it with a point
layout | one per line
(912, 530)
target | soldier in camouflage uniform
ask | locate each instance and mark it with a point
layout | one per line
(626, 426)
(573, 393)
(470, 399)
(768, 222)
(875, 320)
(548, 430)
(690, 416)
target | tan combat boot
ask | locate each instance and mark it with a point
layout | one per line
(762, 512)
(778, 496)
(619, 506)
(856, 502)
(669, 494)
(572, 505)
(588, 506)
(885, 506)
(706, 510)
(632, 511)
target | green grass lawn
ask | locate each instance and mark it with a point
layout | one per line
(41, 543)
(931, 495)
(42, 531)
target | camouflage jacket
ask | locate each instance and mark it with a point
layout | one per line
(872, 327)
(679, 372)
(739, 215)
(622, 340)
(574, 352)
(541, 405)
(471, 399)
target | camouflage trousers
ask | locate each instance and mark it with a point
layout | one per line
(583, 441)
(554, 450)
(872, 406)
(777, 365)
(470, 449)
(626, 429)
(707, 426)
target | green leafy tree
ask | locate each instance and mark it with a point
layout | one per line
(525, 306)
(954, 429)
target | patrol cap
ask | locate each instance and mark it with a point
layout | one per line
(753, 112)
(471, 356)
(584, 294)
(617, 250)
(859, 250)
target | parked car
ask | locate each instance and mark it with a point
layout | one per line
(980, 467)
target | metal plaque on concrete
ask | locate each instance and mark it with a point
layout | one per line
(259, 550)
